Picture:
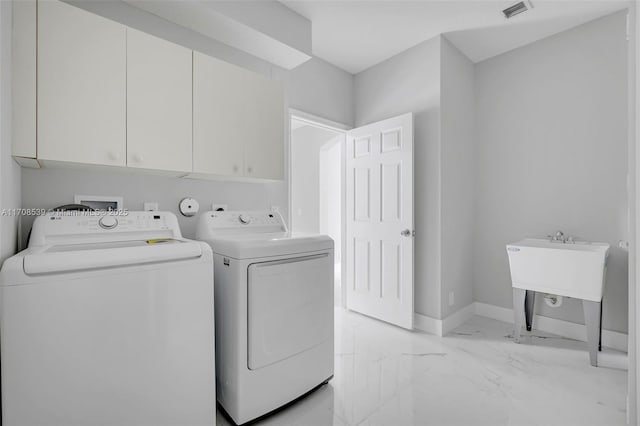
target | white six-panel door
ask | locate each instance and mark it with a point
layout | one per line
(380, 220)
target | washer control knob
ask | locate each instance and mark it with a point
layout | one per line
(244, 219)
(108, 222)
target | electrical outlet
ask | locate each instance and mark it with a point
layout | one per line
(451, 298)
(150, 206)
(219, 207)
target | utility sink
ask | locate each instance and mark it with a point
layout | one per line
(571, 269)
(566, 269)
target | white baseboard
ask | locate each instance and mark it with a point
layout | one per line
(440, 327)
(494, 312)
(458, 318)
(427, 324)
(443, 326)
(571, 330)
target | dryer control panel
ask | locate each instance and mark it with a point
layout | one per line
(241, 222)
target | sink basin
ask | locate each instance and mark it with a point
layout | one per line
(572, 270)
(566, 269)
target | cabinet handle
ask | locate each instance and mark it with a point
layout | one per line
(138, 158)
(115, 156)
(249, 169)
(235, 168)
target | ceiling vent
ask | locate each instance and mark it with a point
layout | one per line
(517, 8)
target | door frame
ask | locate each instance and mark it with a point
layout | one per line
(339, 129)
(633, 36)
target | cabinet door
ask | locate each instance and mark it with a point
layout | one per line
(264, 146)
(220, 127)
(24, 78)
(158, 103)
(81, 86)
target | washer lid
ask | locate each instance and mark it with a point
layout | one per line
(267, 245)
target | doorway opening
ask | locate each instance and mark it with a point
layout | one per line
(316, 186)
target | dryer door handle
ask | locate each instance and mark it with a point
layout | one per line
(291, 260)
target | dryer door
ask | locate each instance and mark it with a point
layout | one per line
(290, 307)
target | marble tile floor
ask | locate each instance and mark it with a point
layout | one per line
(476, 375)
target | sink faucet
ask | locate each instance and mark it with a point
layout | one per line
(560, 238)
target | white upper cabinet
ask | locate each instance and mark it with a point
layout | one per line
(81, 86)
(24, 78)
(219, 127)
(159, 95)
(264, 147)
(88, 90)
(238, 121)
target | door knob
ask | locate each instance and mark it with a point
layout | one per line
(405, 233)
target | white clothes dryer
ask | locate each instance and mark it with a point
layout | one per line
(274, 311)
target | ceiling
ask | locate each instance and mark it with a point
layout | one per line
(357, 34)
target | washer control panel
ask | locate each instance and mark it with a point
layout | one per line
(121, 225)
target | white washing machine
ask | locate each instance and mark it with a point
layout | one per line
(274, 311)
(108, 320)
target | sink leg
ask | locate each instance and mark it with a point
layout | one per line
(592, 318)
(518, 312)
(529, 301)
(600, 329)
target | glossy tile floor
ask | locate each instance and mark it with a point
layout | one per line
(474, 376)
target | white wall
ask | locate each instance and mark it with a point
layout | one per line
(457, 139)
(9, 170)
(331, 193)
(552, 154)
(410, 82)
(47, 188)
(316, 87)
(270, 17)
(306, 144)
(316, 184)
